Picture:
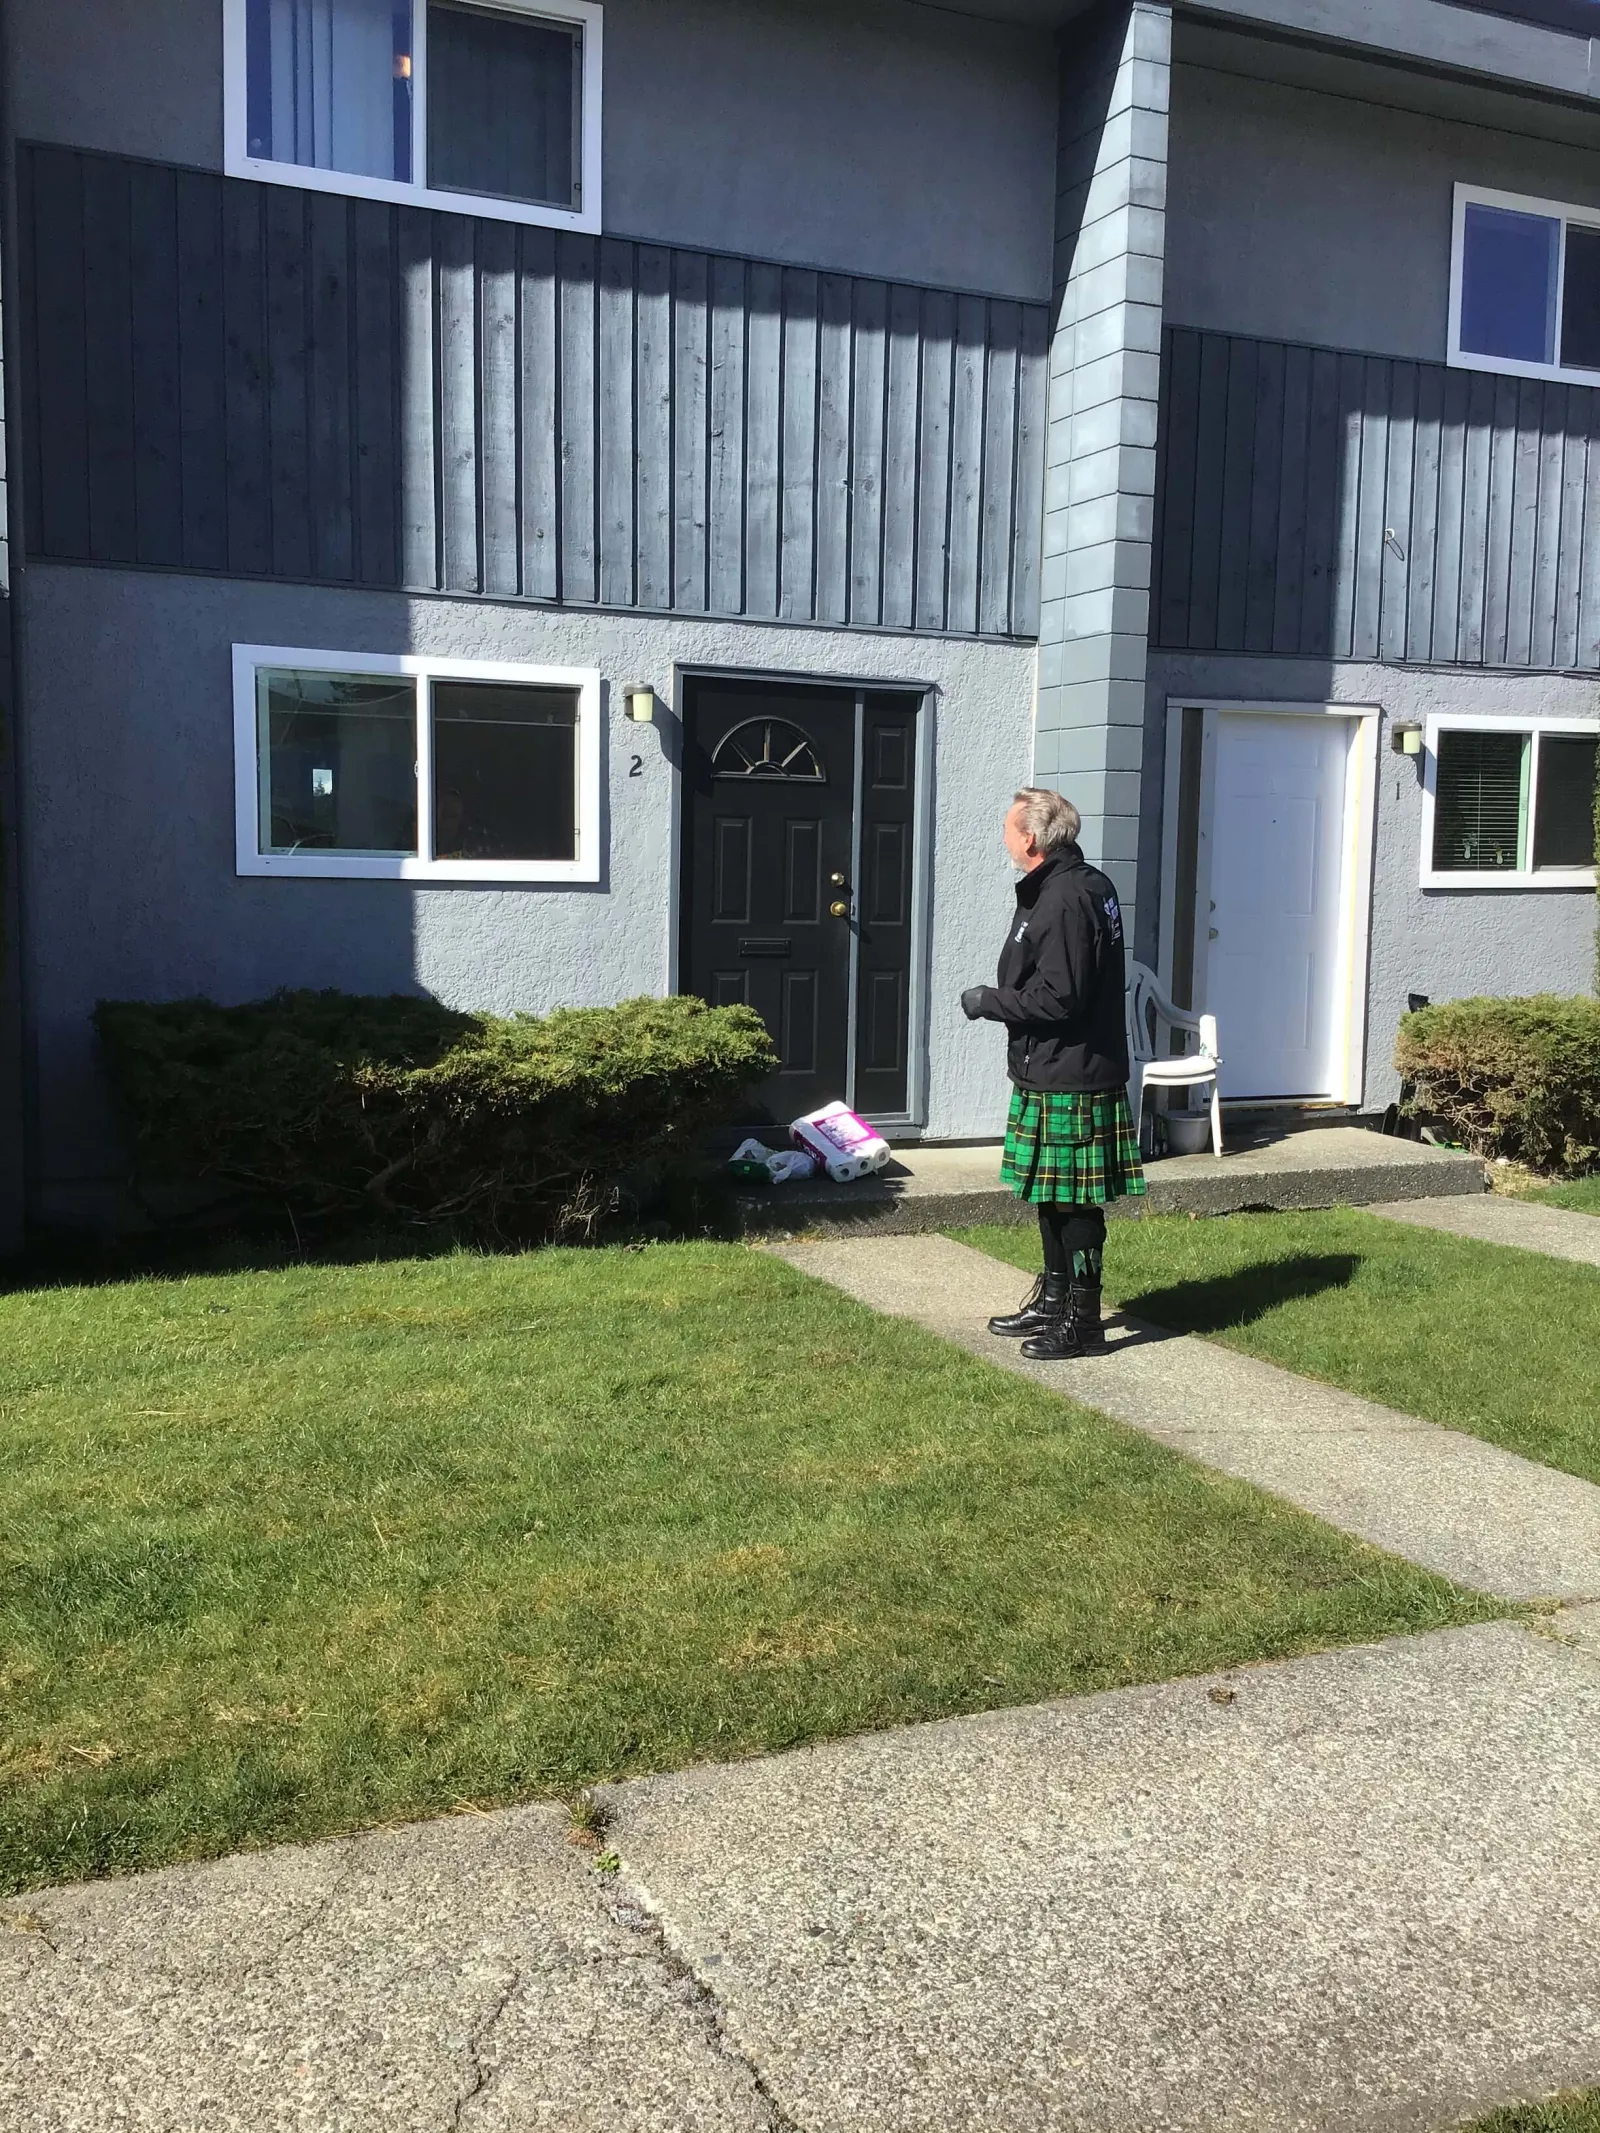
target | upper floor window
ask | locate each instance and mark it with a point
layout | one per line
(492, 106)
(1525, 286)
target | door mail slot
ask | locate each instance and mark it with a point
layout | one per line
(755, 947)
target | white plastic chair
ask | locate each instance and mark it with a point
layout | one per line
(1148, 1008)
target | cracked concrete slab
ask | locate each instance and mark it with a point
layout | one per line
(1352, 1893)
(456, 1974)
(1493, 1219)
(1469, 1510)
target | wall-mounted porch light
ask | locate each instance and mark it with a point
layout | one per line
(639, 702)
(1405, 737)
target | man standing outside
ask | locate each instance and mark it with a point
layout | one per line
(1071, 1145)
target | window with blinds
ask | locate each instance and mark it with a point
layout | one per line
(1510, 805)
(1480, 806)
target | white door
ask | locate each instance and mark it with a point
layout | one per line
(1273, 964)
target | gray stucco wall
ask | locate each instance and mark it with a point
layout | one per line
(130, 889)
(1446, 943)
(1303, 216)
(887, 137)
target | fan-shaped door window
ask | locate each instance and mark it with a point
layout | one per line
(768, 748)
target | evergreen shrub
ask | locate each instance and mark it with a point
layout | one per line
(1518, 1078)
(343, 1106)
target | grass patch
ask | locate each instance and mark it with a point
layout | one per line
(289, 1552)
(1479, 1337)
(1582, 1195)
(1571, 2113)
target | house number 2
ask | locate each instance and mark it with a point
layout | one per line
(636, 766)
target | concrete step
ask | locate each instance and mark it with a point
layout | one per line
(931, 1188)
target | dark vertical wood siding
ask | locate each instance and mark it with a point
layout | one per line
(259, 380)
(1358, 507)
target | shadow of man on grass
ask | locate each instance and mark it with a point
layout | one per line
(1240, 1298)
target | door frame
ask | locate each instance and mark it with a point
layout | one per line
(915, 1116)
(1355, 887)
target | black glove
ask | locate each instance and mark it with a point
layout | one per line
(972, 1003)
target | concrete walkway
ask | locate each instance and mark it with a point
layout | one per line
(1353, 1893)
(455, 1974)
(1493, 1219)
(1475, 1513)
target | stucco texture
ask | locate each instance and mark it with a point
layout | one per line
(1304, 216)
(129, 882)
(874, 136)
(1448, 944)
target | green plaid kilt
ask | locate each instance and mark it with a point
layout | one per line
(1079, 1146)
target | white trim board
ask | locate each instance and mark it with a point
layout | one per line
(1439, 722)
(250, 860)
(239, 163)
(1355, 891)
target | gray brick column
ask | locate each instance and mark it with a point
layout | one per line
(1100, 477)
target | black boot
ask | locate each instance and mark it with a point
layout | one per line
(1085, 1308)
(1076, 1332)
(1042, 1309)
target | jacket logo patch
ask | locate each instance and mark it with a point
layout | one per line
(1113, 911)
(1021, 933)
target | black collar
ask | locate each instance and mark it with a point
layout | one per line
(1030, 885)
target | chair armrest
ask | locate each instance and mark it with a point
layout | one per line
(1168, 1013)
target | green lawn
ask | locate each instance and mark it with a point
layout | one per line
(288, 1552)
(1582, 1195)
(1480, 1337)
(1572, 2113)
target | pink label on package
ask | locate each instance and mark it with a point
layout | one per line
(848, 1133)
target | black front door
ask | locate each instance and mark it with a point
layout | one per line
(773, 913)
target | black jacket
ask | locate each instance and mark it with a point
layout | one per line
(1062, 977)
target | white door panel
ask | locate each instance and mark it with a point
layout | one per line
(1278, 843)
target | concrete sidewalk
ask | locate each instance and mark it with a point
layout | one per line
(1349, 1894)
(462, 1973)
(1475, 1513)
(1491, 1218)
(1352, 1893)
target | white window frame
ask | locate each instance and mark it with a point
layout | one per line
(239, 163)
(248, 659)
(1524, 877)
(1566, 212)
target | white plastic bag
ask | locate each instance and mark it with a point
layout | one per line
(845, 1144)
(785, 1166)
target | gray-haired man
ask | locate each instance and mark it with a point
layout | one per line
(1070, 1139)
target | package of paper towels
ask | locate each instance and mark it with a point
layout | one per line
(846, 1145)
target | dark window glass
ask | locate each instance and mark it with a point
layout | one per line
(1580, 310)
(339, 763)
(1480, 802)
(505, 763)
(1508, 284)
(502, 105)
(1563, 832)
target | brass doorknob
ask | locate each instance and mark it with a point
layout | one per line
(837, 880)
(840, 910)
